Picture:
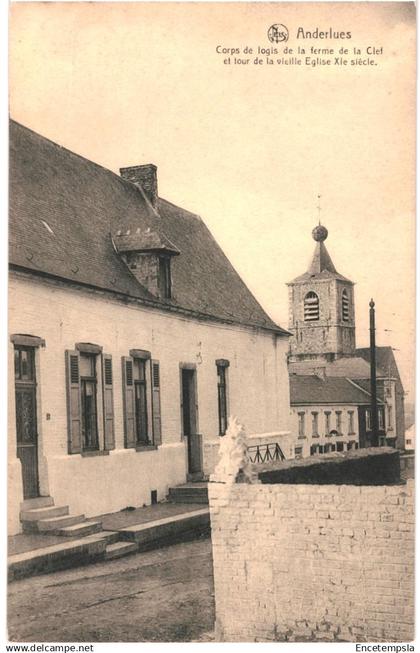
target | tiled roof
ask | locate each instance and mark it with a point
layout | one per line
(63, 209)
(385, 361)
(144, 240)
(352, 367)
(307, 390)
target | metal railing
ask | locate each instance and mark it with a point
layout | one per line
(265, 453)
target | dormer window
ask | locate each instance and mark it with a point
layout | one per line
(165, 282)
(311, 307)
(148, 255)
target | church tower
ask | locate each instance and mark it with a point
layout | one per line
(321, 308)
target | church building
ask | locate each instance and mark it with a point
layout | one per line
(132, 339)
(329, 375)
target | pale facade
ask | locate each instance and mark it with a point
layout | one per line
(325, 429)
(121, 389)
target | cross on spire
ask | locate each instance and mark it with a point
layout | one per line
(319, 209)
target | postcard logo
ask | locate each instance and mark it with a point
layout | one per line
(278, 33)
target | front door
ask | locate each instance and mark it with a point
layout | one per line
(189, 420)
(26, 419)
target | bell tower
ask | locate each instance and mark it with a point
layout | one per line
(321, 308)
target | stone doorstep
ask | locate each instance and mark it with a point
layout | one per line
(107, 545)
(44, 512)
(189, 493)
(170, 526)
(37, 502)
(52, 524)
(59, 556)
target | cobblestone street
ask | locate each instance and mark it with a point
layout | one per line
(160, 596)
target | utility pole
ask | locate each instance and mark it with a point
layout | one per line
(373, 399)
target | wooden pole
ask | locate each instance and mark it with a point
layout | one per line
(373, 400)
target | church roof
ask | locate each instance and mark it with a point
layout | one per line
(354, 367)
(308, 390)
(63, 209)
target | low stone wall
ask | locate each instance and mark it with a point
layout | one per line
(313, 562)
(370, 466)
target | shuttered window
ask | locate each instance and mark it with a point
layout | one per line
(88, 383)
(128, 402)
(311, 307)
(74, 416)
(141, 400)
(108, 402)
(156, 409)
(86, 375)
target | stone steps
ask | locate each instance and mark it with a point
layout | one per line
(92, 544)
(80, 529)
(47, 512)
(120, 549)
(52, 524)
(189, 493)
(153, 534)
(59, 556)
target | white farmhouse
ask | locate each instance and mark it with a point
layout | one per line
(132, 338)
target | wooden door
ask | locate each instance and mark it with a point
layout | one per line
(26, 419)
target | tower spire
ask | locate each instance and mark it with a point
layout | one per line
(321, 260)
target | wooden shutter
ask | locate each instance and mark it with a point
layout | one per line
(157, 423)
(74, 417)
(128, 402)
(108, 398)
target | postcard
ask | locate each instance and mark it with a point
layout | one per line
(211, 323)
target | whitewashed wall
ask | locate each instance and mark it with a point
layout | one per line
(258, 391)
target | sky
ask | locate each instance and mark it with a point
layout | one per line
(247, 147)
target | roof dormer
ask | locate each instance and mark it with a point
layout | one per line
(148, 256)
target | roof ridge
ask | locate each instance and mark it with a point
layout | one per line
(76, 155)
(176, 206)
(363, 389)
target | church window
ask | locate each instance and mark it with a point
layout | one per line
(345, 306)
(311, 307)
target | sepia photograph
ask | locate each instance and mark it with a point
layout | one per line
(211, 323)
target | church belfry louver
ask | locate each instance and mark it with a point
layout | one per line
(321, 308)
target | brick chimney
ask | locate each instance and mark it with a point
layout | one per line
(144, 176)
